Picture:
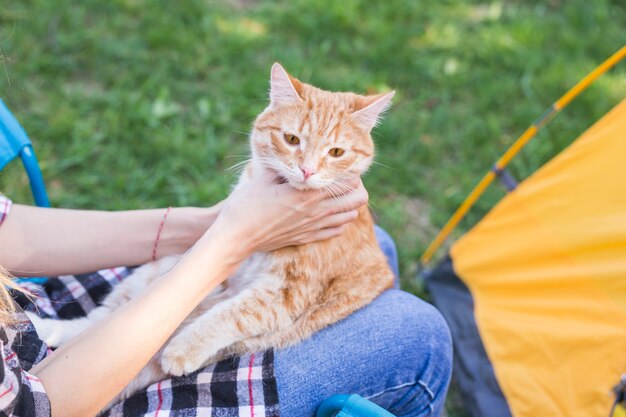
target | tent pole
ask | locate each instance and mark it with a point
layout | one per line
(514, 150)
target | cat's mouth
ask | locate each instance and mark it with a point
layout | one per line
(298, 185)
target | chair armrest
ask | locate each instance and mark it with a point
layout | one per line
(350, 406)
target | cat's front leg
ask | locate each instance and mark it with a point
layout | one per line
(247, 314)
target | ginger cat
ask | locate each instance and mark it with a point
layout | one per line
(312, 139)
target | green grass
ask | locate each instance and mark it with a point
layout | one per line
(145, 103)
(134, 103)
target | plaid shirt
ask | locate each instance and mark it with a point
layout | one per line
(21, 394)
(237, 387)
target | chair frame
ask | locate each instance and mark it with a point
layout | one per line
(16, 143)
(354, 405)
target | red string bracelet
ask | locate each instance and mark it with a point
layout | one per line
(158, 236)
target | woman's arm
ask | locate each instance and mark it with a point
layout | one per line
(85, 374)
(38, 241)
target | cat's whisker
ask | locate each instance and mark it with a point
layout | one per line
(343, 188)
(382, 165)
(332, 194)
(380, 135)
(336, 193)
(272, 163)
(245, 161)
(343, 184)
(234, 171)
(371, 205)
(239, 166)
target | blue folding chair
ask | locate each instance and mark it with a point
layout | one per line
(14, 142)
(350, 406)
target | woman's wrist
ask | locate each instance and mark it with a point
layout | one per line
(234, 240)
(181, 227)
(219, 249)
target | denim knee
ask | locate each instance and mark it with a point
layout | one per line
(421, 357)
(395, 351)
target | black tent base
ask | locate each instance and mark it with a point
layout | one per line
(473, 371)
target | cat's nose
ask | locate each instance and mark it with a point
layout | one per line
(307, 172)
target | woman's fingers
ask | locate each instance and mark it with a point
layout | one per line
(335, 220)
(328, 227)
(318, 235)
(269, 215)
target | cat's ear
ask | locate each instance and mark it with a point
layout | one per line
(284, 89)
(371, 108)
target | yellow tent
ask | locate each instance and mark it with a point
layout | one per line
(535, 293)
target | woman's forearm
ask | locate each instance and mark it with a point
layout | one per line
(38, 241)
(85, 374)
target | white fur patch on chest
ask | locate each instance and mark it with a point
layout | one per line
(256, 273)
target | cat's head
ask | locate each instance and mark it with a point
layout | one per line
(312, 138)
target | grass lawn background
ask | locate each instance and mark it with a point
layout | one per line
(135, 104)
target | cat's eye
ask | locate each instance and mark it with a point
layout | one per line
(292, 139)
(336, 152)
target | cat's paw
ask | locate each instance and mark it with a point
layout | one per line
(46, 329)
(179, 358)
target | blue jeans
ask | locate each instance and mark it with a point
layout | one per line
(397, 352)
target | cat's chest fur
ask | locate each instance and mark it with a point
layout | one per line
(290, 272)
(300, 276)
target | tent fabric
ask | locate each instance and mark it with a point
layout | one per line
(546, 269)
(473, 372)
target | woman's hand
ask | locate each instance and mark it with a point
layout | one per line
(263, 216)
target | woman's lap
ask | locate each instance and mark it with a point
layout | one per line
(395, 351)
